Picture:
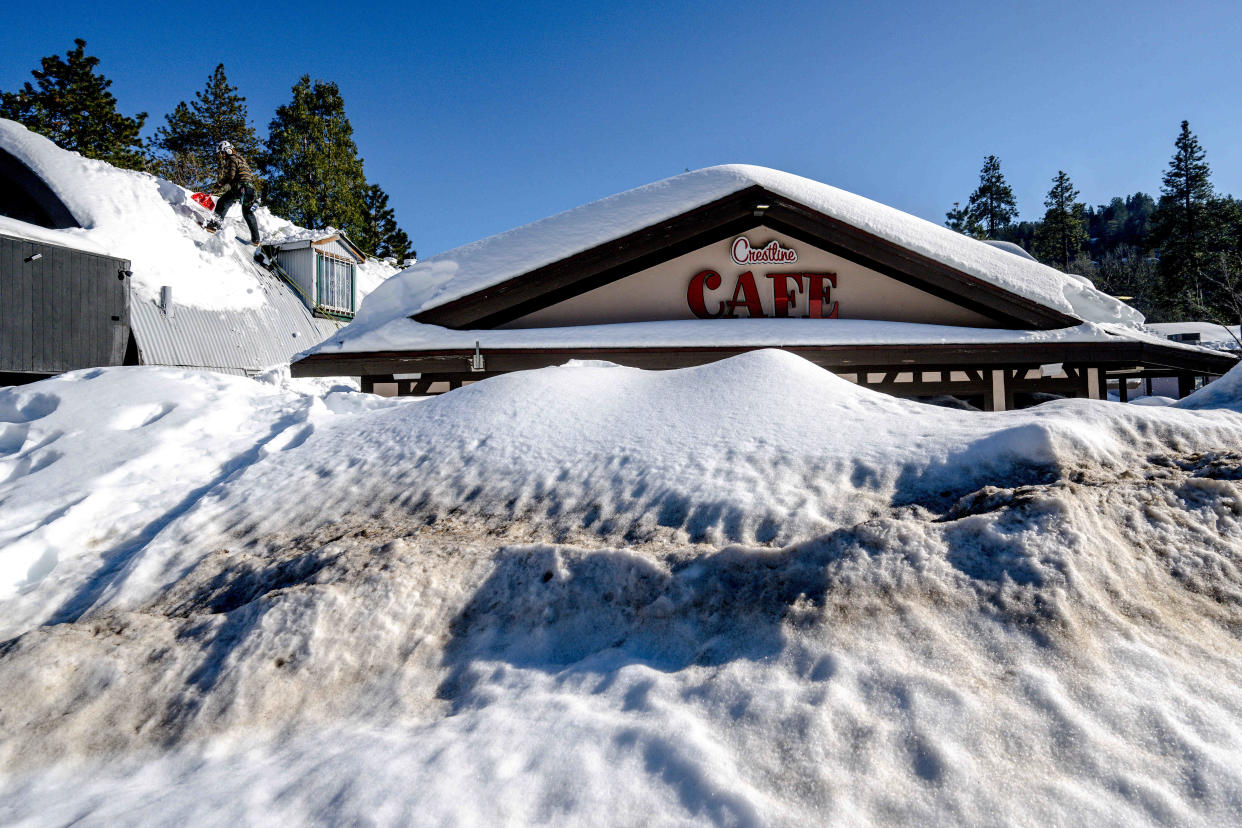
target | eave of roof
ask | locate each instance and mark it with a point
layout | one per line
(840, 343)
(925, 357)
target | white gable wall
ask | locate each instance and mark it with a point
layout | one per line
(662, 292)
(336, 248)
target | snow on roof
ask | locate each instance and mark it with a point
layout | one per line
(149, 221)
(1207, 331)
(295, 237)
(1010, 247)
(75, 239)
(473, 267)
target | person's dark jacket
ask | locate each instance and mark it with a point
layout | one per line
(234, 171)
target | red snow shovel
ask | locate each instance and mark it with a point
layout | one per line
(205, 200)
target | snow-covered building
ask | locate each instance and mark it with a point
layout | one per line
(170, 293)
(728, 259)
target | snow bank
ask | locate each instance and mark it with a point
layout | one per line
(762, 448)
(745, 593)
(462, 271)
(1225, 392)
(149, 221)
(96, 462)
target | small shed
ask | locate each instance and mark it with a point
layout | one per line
(61, 308)
(324, 272)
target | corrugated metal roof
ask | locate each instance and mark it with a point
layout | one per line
(234, 342)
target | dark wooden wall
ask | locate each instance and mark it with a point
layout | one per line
(60, 308)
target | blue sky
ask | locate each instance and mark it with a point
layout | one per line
(479, 117)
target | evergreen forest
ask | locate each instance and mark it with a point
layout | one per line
(1175, 256)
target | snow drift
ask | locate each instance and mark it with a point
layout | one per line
(746, 593)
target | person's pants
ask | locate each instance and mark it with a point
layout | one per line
(245, 193)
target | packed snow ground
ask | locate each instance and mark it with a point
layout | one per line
(745, 593)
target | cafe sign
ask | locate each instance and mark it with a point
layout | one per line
(772, 253)
(792, 293)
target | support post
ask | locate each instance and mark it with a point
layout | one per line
(996, 401)
(1093, 384)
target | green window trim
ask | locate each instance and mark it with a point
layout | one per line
(336, 285)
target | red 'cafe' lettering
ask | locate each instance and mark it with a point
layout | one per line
(815, 287)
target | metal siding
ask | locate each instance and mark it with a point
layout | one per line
(308, 281)
(299, 264)
(235, 342)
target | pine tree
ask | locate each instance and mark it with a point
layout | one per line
(1223, 270)
(314, 175)
(377, 216)
(1061, 235)
(960, 219)
(1184, 224)
(380, 236)
(186, 144)
(1128, 272)
(992, 206)
(73, 107)
(398, 248)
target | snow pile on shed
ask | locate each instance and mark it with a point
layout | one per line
(136, 216)
(235, 316)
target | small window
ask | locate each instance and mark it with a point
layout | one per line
(335, 285)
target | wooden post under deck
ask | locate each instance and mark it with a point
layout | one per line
(1094, 390)
(996, 400)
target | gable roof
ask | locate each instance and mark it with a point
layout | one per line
(500, 278)
(720, 219)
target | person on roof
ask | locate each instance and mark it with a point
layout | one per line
(234, 182)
